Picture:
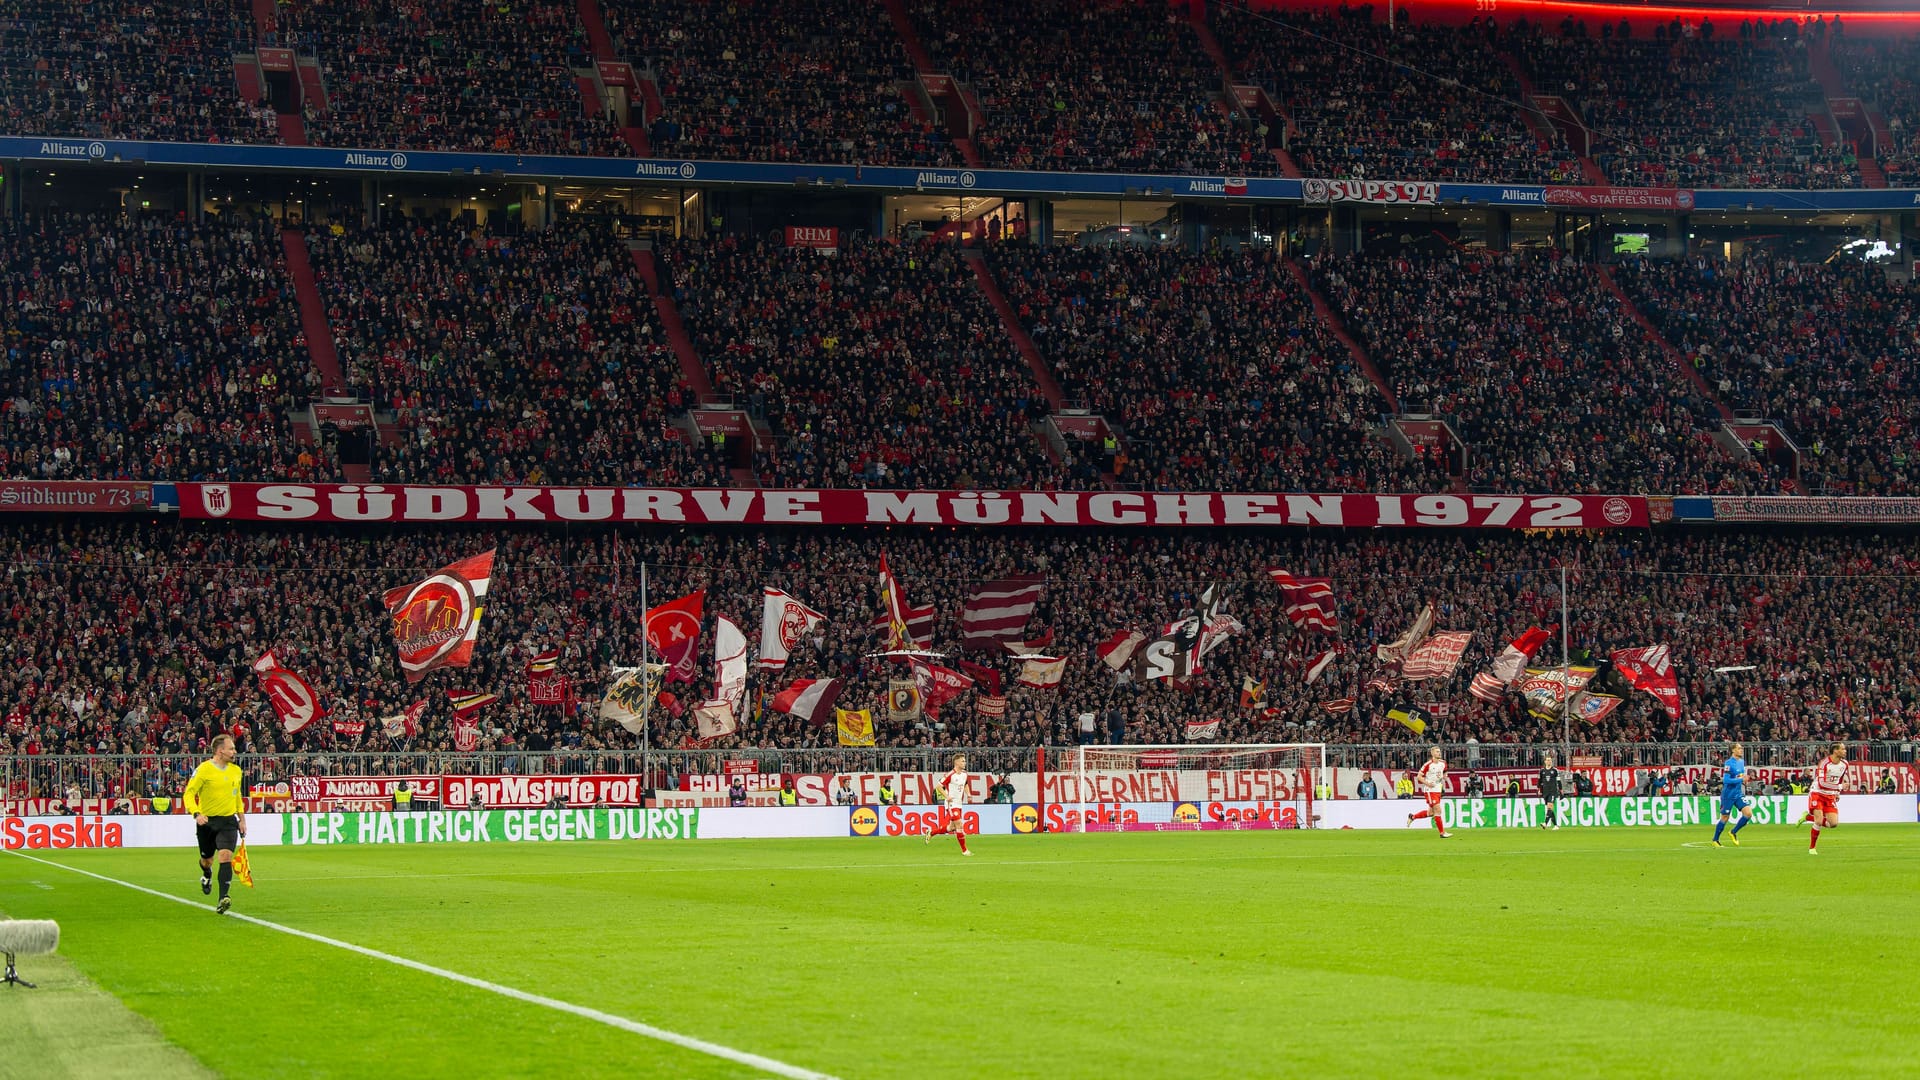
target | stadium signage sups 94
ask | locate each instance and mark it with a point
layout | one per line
(414, 503)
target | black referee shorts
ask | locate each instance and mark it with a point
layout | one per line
(218, 834)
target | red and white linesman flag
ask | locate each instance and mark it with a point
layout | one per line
(437, 619)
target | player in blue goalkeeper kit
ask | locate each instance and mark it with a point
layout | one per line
(1733, 796)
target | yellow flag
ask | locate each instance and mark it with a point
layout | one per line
(242, 869)
(855, 726)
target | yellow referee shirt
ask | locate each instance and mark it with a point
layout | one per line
(214, 791)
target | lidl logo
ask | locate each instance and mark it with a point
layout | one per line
(864, 821)
(1187, 813)
(1026, 818)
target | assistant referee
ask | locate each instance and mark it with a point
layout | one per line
(213, 798)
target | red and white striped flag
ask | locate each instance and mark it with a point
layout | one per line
(998, 611)
(1309, 601)
(1318, 666)
(1487, 687)
(1338, 706)
(1400, 648)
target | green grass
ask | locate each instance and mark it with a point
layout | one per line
(1602, 953)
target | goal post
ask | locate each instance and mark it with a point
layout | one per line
(1175, 787)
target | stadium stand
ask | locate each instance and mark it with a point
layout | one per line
(149, 349)
(203, 600)
(882, 366)
(1551, 385)
(1215, 366)
(124, 69)
(807, 80)
(1413, 102)
(532, 358)
(1109, 86)
(1886, 74)
(1820, 346)
(439, 74)
(1692, 107)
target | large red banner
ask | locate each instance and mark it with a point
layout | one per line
(753, 506)
(90, 496)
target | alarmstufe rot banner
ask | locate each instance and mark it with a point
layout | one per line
(413, 503)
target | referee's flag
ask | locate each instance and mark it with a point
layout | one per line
(242, 869)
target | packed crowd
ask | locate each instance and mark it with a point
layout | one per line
(1825, 348)
(447, 75)
(1404, 102)
(1692, 106)
(1215, 367)
(145, 631)
(795, 80)
(149, 349)
(1548, 380)
(1885, 73)
(880, 366)
(134, 69)
(526, 358)
(1109, 86)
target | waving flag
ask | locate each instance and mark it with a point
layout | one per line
(809, 699)
(1031, 645)
(466, 716)
(436, 620)
(293, 700)
(997, 611)
(853, 726)
(1651, 669)
(900, 619)
(1437, 657)
(629, 695)
(784, 622)
(1318, 666)
(714, 719)
(1413, 718)
(1338, 706)
(406, 724)
(938, 685)
(903, 701)
(673, 630)
(1400, 648)
(1487, 687)
(729, 667)
(1043, 672)
(988, 678)
(1512, 661)
(1593, 708)
(1253, 692)
(1117, 650)
(1309, 601)
(1546, 689)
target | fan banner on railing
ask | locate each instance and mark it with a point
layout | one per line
(354, 503)
(437, 619)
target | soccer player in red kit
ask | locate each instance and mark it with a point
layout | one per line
(1823, 800)
(952, 816)
(1431, 780)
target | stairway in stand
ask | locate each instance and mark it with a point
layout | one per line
(318, 331)
(1338, 327)
(1673, 353)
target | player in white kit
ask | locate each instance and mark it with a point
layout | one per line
(953, 815)
(1432, 782)
(1823, 799)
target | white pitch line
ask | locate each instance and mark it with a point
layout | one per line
(728, 1053)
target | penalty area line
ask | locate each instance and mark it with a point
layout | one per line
(674, 1038)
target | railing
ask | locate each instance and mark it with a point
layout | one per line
(140, 776)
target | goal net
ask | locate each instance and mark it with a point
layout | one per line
(1169, 788)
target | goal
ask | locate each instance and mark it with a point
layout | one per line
(1174, 787)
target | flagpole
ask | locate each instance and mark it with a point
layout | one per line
(646, 694)
(1566, 673)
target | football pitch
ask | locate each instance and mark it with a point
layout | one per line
(1583, 952)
